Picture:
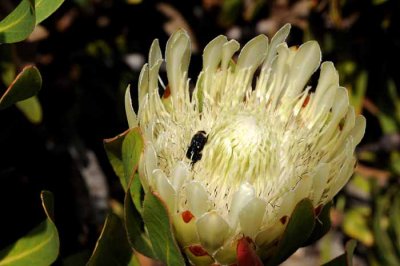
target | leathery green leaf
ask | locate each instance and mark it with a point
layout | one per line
(322, 224)
(132, 149)
(137, 192)
(158, 224)
(19, 23)
(45, 8)
(124, 153)
(299, 228)
(113, 147)
(135, 229)
(31, 108)
(25, 85)
(112, 247)
(345, 259)
(40, 246)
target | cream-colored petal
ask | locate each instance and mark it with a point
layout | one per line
(177, 56)
(197, 198)
(278, 38)
(147, 163)
(227, 254)
(342, 178)
(322, 107)
(279, 70)
(339, 108)
(185, 232)
(303, 188)
(213, 230)
(179, 174)
(338, 111)
(165, 189)
(130, 113)
(155, 53)
(240, 199)
(286, 206)
(156, 107)
(150, 160)
(305, 63)
(253, 53)
(328, 77)
(228, 50)
(320, 181)
(251, 217)
(349, 121)
(153, 78)
(212, 54)
(359, 129)
(268, 235)
(143, 86)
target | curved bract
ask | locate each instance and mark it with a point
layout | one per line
(269, 143)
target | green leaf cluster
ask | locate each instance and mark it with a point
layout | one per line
(22, 20)
(14, 28)
(40, 246)
(25, 85)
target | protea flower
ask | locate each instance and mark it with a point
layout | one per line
(233, 157)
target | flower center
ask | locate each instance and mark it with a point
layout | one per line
(234, 144)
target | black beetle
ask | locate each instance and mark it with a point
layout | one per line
(197, 144)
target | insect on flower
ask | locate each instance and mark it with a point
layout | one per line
(196, 146)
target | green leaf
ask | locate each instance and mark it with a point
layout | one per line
(40, 246)
(124, 153)
(322, 225)
(19, 23)
(32, 109)
(135, 229)
(137, 192)
(44, 8)
(113, 149)
(345, 259)
(132, 148)
(112, 247)
(26, 84)
(158, 224)
(299, 228)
